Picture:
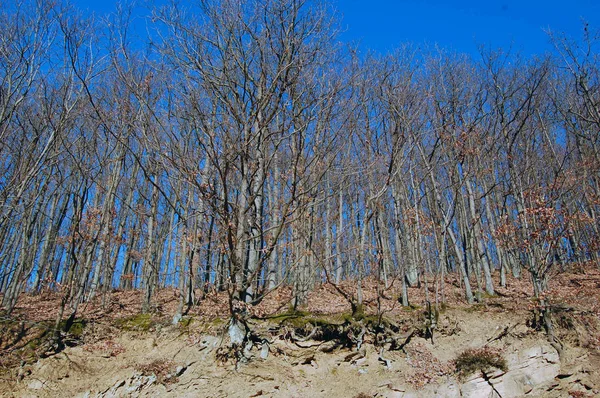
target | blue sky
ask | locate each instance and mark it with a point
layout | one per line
(462, 25)
(459, 25)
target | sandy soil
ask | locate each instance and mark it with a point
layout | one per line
(289, 371)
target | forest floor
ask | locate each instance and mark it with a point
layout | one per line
(113, 351)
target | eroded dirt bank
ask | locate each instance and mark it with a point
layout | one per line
(183, 360)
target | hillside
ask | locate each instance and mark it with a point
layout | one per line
(319, 351)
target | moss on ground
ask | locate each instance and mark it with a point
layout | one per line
(185, 322)
(216, 322)
(412, 307)
(478, 307)
(306, 320)
(76, 329)
(138, 323)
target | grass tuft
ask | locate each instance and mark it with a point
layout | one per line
(480, 359)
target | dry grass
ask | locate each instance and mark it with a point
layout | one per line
(479, 360)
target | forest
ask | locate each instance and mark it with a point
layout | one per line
(242, 147)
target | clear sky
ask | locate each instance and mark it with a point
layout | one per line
(460, 25)
(463, 25)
